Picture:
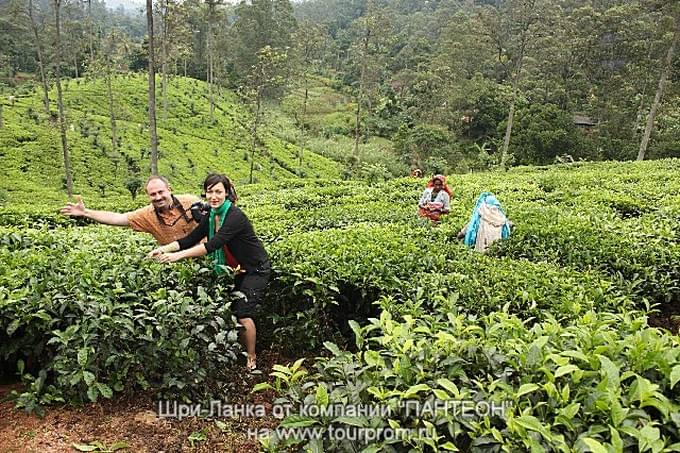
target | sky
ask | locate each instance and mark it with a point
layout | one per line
(128, 4)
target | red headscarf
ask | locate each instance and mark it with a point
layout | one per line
(442, 178)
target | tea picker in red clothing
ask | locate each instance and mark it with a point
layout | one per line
(435, 200)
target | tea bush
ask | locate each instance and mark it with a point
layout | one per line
(607, 382)
(545, 320)
(350, 268)
(84, 315)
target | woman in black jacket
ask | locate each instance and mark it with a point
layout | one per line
(232, 241)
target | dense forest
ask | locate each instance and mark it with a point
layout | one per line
(451, 85)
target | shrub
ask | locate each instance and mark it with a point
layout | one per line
(79, 322)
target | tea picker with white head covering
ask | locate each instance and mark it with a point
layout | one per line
(488, 223)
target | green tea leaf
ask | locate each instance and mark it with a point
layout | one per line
(566, 369)
(526, 388)
(449, 387)
(88, 377)
(415, 389)
(261, 386)
(675, 375)
(321, 395)
(611, 371)
(532, 423)
(594, 446)
(105, 390)
(82, 357)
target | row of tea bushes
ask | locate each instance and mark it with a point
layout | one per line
(344, 270)
(644, 253)
(82, 315)
(607, 382)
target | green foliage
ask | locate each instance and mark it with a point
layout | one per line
(257, 25)
(435, 166)
(607, 379)
(542, 132)
(543, 324)
(421, 313)
(133, 185)
(417, 145)
(27, 150)
(83, 322)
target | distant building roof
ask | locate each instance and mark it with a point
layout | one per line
(582, 120)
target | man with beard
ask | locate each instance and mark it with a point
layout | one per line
(168, 217)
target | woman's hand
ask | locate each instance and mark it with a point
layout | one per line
(167, 248)
(154, 253)
(168, 257)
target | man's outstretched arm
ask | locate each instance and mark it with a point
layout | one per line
(107, 217)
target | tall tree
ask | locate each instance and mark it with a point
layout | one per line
(368, 53)
(307, 41)
(665, 72)
(165, 41)
(4, 69)
(41, 53)
(175, 35)
(211, 18)
(266, 75)
(153, 136)
(90, 30)
(60, 102)
(113, 49)
(512, 28)
(258, 24)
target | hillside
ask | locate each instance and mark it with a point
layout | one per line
(190, 144)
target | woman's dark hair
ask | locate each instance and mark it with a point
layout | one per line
(215, 178)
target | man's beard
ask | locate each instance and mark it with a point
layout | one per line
(162, 206)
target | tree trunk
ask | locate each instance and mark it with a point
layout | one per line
(112, 115)
(659, 93)
(152, 90)
(212, 88)
(90, 29)
(360, 96)
(255, 124)
(60, 102)
(38, 48)
(302, 123)
(75, 63)
(640, 112)
(165, 93)
(508, 132)
(164, 65)
(357, 116)
(209, 69)
(635, 129)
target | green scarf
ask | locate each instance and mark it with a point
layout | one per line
(218, 255)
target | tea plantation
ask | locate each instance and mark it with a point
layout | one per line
(554, 323)
(191, 141)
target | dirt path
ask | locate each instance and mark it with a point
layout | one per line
(134, 421)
